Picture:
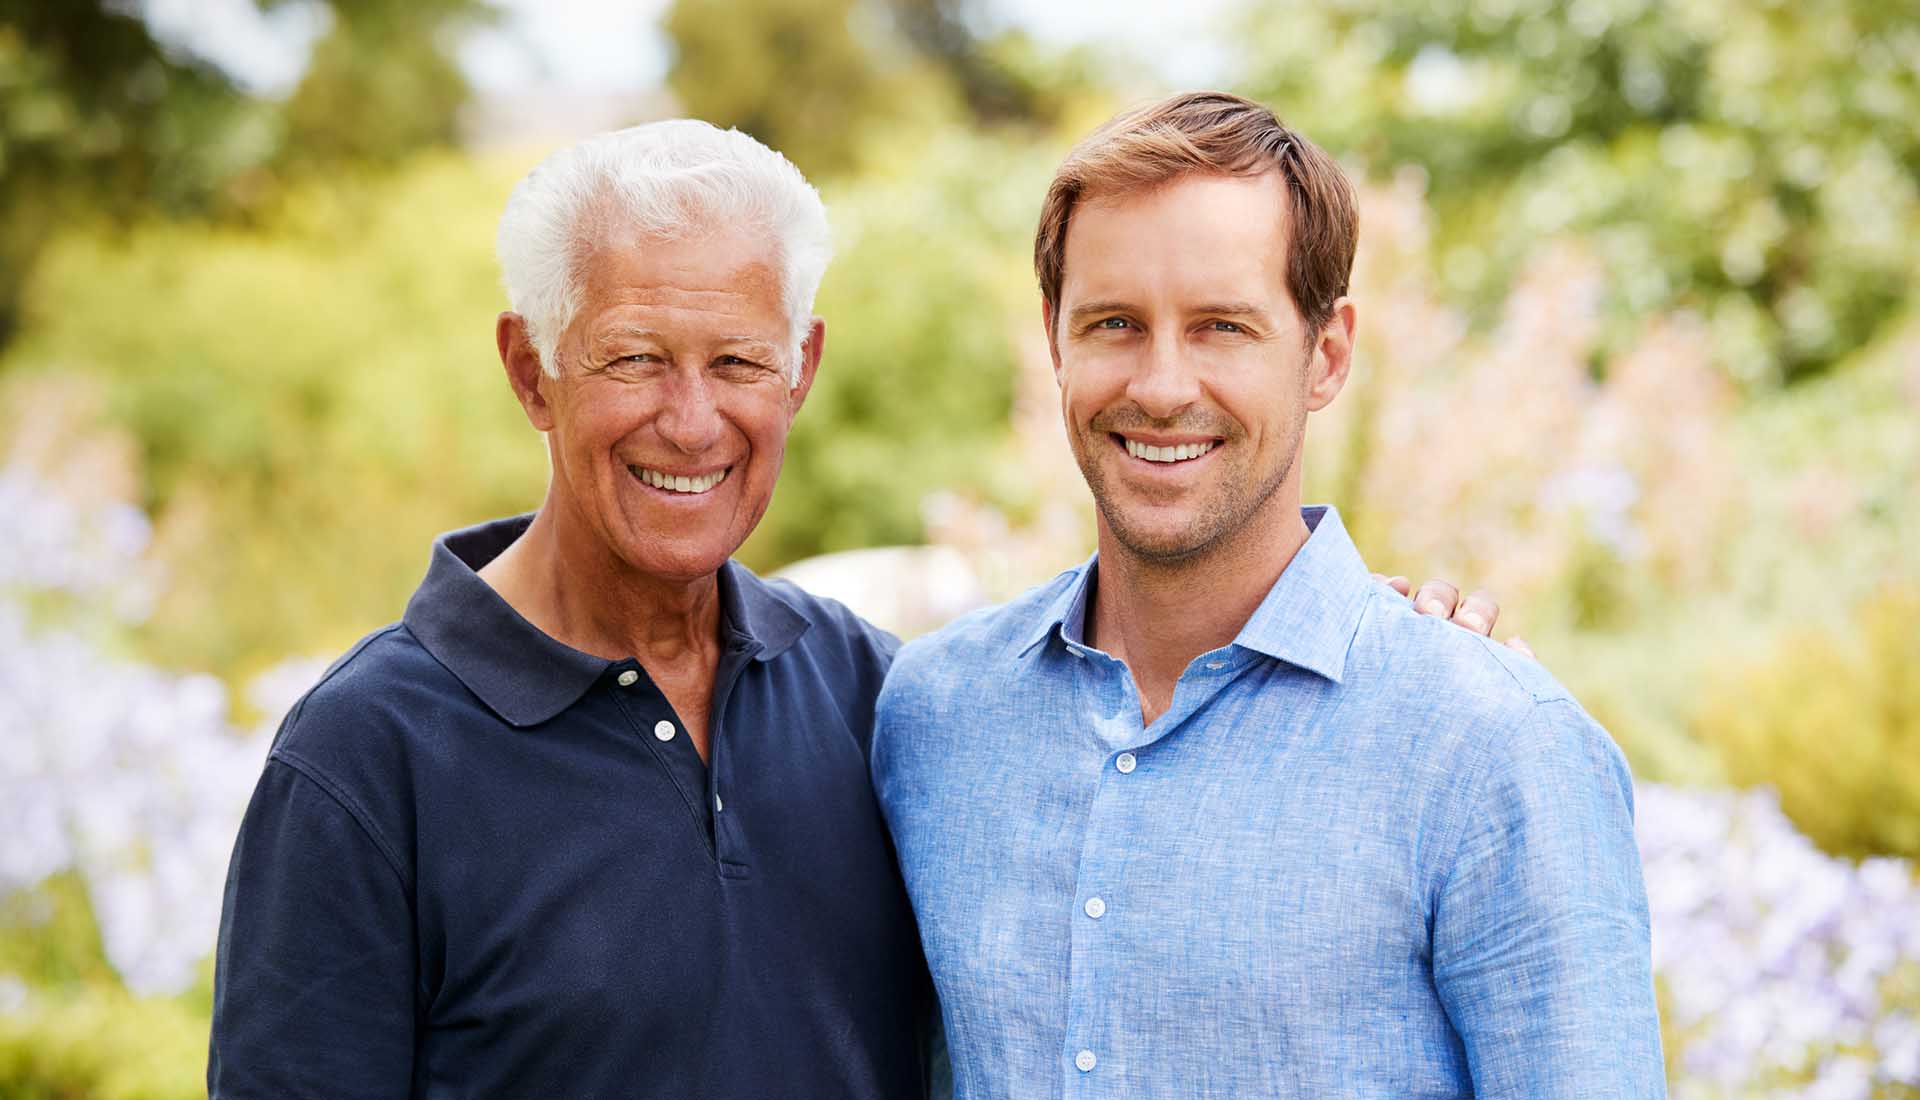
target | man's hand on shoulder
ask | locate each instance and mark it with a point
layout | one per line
(1477, 612)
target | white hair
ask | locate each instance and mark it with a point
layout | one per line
(665, 180)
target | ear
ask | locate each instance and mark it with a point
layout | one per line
(810, 352)
(1053, 337)
(524, 373)
(1332, 357)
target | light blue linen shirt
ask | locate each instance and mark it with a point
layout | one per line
(1364, 853)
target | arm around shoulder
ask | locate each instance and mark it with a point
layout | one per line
(314, 983)
(1541, 945)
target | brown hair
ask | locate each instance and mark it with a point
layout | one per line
(1220, 134)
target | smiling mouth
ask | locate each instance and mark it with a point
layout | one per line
(671, 483)
(1167, 455)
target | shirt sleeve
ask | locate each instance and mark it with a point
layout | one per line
(1541, 946)
(314, 974)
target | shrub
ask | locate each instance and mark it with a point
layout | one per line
(1833, 723)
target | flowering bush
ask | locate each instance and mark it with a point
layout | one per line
(1784, 971)
(133, 777)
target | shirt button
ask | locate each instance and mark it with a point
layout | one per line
(628, 677)
(1096, 908)
(1125, 763)
(717, 807)
(1085, 1061)
(1077, 652)
(663, 730)
(1216, 665)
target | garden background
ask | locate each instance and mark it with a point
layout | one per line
(1638, 352)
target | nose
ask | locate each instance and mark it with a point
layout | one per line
(690, 421)
(1163, 382)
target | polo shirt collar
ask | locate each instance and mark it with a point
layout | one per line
(517, 670)
(754, 612)
(1307, 619)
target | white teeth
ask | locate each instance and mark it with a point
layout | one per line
(674, 484)
(1177, 453)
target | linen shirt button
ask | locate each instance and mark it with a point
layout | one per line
(627, 678)
(1085, 1061)
(1216, 665)
(1096, 908)
(717, 807)
(663, 730)
(1125, 763)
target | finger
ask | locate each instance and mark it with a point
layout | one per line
(1519, 645)
(1398, 584)
(1437, 598)
(1478, 613)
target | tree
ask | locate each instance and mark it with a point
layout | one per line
(97, 117)
(1755, 162)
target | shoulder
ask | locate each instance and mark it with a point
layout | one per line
(1438, 659)
(1473, 697)
(367, 705)
(832, 624)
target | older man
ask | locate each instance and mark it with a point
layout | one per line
(1214, 814)
(594, 818)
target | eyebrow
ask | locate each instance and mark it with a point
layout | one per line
(623, 333)
(1232, 309)
(1082, 312)
(1218, 309)
(620, 333)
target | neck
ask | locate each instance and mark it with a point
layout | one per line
(564, 580)
(1157, 615)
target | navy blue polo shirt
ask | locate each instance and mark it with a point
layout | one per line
(482, 864)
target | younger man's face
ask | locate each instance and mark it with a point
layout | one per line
(1186, 373)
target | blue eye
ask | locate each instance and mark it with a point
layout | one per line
(1112, 323)
(1226, 326)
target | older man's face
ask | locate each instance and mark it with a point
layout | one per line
(670, 415)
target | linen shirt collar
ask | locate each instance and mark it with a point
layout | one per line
(1308, 618)
(518, 671)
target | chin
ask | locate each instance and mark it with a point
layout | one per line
(1160, 538)
(674, 560)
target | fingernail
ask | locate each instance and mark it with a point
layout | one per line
(1472, 621)
(1433, 607)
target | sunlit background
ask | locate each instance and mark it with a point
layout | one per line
(1638, 352)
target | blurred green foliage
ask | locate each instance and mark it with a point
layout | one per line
(917, 383)
(314, 397)
(86, 1036)
(1754, 161)
(1832, 720)
(833, 83)
(98, 117)
(94, 115)
(380, 85)
(104, 1045)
